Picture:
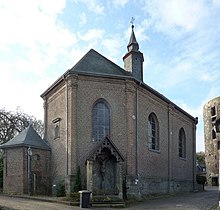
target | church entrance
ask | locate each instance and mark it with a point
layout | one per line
(104, 174)
(104, 170)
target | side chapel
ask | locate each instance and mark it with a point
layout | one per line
(121, 132)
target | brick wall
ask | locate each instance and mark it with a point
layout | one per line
(16, 171)
(121, 95)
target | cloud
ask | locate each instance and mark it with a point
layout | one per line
(175, 17)
(51, 9)
(34, 32)
(28, 24)
(119, 3)
(174, 73)
(191, 43)
(92, 35)
(112, 45)
(92, 6)
(212, 93)
(34, 47)
(82, 19)
(208, 76)
(216, 3)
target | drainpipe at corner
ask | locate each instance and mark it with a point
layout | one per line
(67, 128)
(194, 153)
(137, 181)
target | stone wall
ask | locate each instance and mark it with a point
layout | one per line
(211, 111)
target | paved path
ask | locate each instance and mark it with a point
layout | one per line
(191, 201)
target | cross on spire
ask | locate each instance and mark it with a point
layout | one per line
(132, 21)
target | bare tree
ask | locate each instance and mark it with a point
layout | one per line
(11, 123)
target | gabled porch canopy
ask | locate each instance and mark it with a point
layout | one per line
(104, 170)
(106, 143)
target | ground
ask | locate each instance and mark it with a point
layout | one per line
(190, 201)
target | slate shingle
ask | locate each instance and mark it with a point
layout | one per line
(95, 63)
(28, 137)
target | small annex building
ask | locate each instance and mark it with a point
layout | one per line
(26, 162)
(128, 139)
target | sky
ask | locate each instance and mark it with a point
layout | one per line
(41, 39)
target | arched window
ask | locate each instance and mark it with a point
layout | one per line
(100, 121)
(182, 143)
(153, 132)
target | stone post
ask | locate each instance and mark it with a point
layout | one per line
(119, 180)
(89, 175)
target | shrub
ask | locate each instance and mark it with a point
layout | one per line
(73, 196)
(60, 189)
(77, 185)
(200, 179)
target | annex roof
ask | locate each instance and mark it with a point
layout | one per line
(29, 138)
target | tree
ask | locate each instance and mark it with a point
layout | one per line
(12, 123)
(1, 170)
(200, 158)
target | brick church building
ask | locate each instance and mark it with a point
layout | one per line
(106, 120)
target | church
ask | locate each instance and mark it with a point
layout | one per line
(126, 137)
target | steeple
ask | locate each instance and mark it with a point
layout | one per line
(133, 59)
(133, 45)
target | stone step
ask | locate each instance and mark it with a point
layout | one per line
(108, 204)
(107, 201)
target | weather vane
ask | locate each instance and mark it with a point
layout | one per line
(132, 20)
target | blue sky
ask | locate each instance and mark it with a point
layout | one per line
(41, 39)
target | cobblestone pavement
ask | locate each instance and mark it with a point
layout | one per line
(191, 201)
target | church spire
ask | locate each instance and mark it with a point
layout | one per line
(133, 59)
(133, 45)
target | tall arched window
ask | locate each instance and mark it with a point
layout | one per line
(182, 143)
(100, 121)
(153, 132)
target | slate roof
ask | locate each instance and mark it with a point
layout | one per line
(28, 137)
(95, 63)
(133, 41)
